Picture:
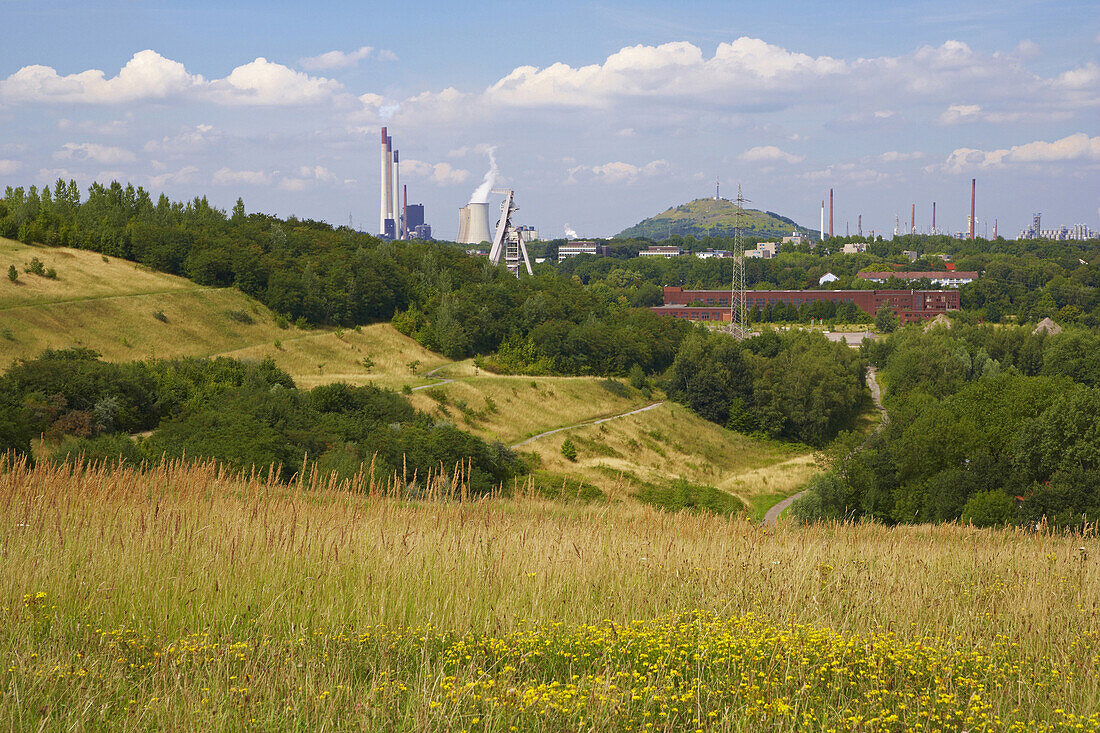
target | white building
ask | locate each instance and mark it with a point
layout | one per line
(714, 253)
(580, 247)
(763, 251)
(854, 248)
(666, 252)
(828, 277)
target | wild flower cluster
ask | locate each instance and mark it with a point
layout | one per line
(692, 671)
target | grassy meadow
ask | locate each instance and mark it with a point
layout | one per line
(184, 598)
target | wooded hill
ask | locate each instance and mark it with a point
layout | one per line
(712, 218)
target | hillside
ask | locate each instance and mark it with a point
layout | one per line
(710, 218)
(127, 312)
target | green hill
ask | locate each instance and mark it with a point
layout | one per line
(711, 218)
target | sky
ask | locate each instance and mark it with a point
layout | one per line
(599, 114)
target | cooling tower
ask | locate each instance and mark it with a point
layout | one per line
(463, 225)
(477, 224)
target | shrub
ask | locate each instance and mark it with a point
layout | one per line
(637, 377)
(615, 387)
(569, 450)
(13, 274)
(35, 267)
(989, 509)
(281, 321)
(240, 317)
(681, 495)
(159, 315)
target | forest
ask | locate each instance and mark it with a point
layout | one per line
(245, 416)
(987, 425)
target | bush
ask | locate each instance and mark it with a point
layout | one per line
(681, 495)
(989, 509)
(35, 267)
(615, 387)
(240, 317)
(13, 274)
(159, 315)
(569, 450)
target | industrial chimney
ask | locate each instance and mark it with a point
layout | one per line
(397, 194)
(384, 212)
(830, 213)
(913, 219)
(973, 189)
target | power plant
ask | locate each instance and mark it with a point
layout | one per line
(473, 223)
(394, 206)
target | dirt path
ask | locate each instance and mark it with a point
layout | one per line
(431, 375)
(533, 438)
(772, 516)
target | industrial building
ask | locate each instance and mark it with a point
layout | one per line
(473, 223)
(910, 306)
(581, 247)
(397, 218)
(667, 252)
(948, 279)
(1075, 233)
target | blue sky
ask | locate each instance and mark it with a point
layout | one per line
(599, 113)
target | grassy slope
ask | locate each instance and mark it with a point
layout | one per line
(108, 305)
(703, 217)
(182, 600)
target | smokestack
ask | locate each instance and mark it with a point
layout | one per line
(384, 210)
(859, 225)
(933, 217)
(397, 195)
(994, 228)
(405, 213)
(822, 220)
(830, 213)
(913, 219)
(973, 190)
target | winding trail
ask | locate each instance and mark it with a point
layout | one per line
(533, 438)
(772, 515)
(431, 375)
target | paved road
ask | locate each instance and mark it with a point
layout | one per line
(772, 516)
(584, 424)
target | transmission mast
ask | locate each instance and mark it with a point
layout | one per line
(739, 322)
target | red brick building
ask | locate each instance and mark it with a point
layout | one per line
(910, 306)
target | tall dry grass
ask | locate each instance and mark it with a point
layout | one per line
(179, 550)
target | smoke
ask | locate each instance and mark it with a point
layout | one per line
(570, 233)
(481, 194)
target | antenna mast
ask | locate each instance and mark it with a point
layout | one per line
(739, 322)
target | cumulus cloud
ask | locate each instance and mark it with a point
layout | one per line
(7, 167)
(957, 113)
(148, 76)
(893, 156)
(229, 177)
(769, 154)
(94, 152)
(335, 59)
(617, 171)
(1078, 147)
(441, 174)
(190, 140)
(186, 174)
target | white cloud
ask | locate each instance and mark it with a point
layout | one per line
(148, 76)
(190, 140)
(769, 153)
(1078, 147)
(263, 82)
(228, 177)
(184, 175)
(617, 171)
(441, 174)
(335, 59)
(1027, 49)
(893, 156)
(7, 167)
(957, 113)
(94, 152)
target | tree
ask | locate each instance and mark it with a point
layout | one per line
(989, 509)
(13, 274)
(885, 320)
(569, 450)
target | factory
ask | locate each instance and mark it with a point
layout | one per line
(910, 306)
(397, 218)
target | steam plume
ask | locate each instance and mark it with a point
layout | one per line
(481, 195)
(570, 233)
